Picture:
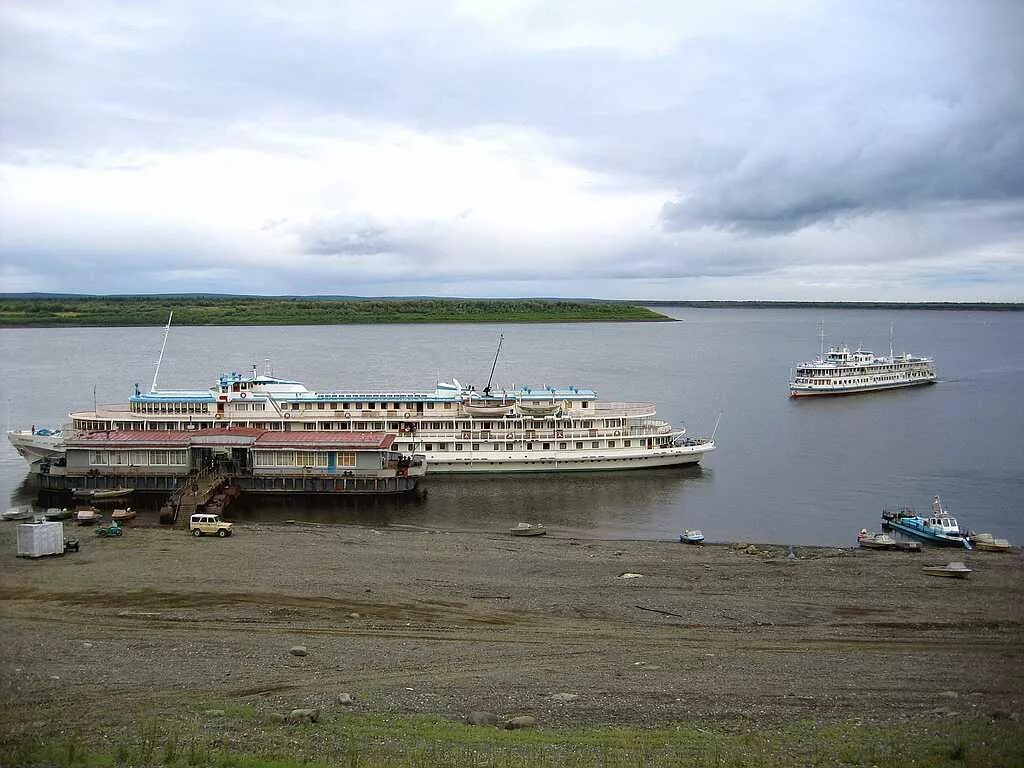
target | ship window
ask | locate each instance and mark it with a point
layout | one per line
(584, 404)
(561, 446)
(370, 406)
(579, 446)
(595, 444)
(476, 446)
(547, 446)
(627, 443)
(321, 406)
(497, 446)
(509, 446)
(428, 447)
(611, 443)
(529, 446)
(448, 406)
(430, 405)
(458, 446)
(442, 446)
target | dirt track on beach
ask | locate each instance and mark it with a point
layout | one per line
(414, 621)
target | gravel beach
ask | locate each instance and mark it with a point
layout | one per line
(445, 622)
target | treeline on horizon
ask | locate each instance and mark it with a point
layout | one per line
(70, 311)
(999, 306)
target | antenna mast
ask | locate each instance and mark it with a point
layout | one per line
(821, 339)
(487, 389)
(163, 346)
(892, 356)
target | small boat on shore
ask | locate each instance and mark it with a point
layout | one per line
(87, 516)
(17, 513)
(528, 529)
(953, 570)
(694, 536)
(875, 540)
(939, 528)
(58, 513)
(989, 543)
(123, 515)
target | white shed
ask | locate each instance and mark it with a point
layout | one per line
(38, 539)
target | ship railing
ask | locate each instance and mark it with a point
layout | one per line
(648, 429)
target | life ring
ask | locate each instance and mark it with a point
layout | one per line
(617, 433)
(407, 414)
(285, 415)
(508, 436)
(242, 394)
(559, 433)
(218, 415)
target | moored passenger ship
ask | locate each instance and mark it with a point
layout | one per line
(456, 428)
(842, 371)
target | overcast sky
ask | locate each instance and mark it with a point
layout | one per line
(660, 150)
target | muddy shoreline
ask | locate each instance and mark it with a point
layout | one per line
(434, 622)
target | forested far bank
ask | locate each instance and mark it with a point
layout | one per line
(142, 310)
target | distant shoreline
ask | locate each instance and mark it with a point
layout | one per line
(82, 311)
(938, 305)
(128, 311)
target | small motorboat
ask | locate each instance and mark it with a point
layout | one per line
(691, 537)
(17, 513)
(875, 540)
(989, 543)
(954, 570)
(528, 529)
(58, 513)
(123, 515)
(87, 515)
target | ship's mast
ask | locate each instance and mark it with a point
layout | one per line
(892, 355)
(487, 389)
(163, 346)
(821, 339)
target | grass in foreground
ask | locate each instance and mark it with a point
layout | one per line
(153, 310)
(242, 739)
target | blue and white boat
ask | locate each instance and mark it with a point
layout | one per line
(691, 537)
(939, 528)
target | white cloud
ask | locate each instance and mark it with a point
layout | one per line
(651, 150)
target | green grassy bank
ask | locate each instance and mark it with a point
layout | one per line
(239, 738)
(143, 310)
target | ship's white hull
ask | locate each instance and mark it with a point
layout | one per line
(449, 463)
(854, 390)
(32, 447)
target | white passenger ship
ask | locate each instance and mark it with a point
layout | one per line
(457, 428)
(842, 371)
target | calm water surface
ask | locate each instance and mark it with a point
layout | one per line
(801, 472)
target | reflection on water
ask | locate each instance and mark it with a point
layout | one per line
(591, 504)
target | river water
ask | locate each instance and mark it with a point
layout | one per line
(808, 471)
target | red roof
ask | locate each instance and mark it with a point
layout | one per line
(259, 437)
(113, 437)
(379, 440)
